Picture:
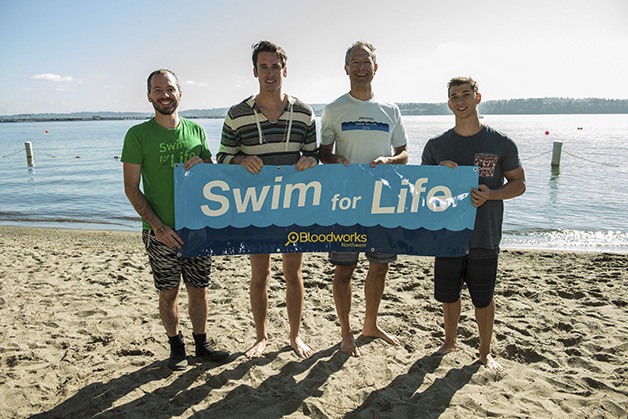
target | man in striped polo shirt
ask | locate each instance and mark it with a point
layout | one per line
(271, 128)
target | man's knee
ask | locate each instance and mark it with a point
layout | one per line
(292, 263)
(343, 273)
(446, 298)
(259, 280)
(195, 293)
(260, 270)
(293, 278)
(481, 302)
(169, 294)
(378, 270)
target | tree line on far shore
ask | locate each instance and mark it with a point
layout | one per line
(535, 106)
(548, 105)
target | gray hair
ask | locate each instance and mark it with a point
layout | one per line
(361, 44)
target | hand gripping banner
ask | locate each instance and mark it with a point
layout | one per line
(401, 209)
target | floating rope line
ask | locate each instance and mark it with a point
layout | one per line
(13, 154)
(47, 155)
(591, 161)
(22, 151)
(538, 155)
(573, 155)
(117, 158)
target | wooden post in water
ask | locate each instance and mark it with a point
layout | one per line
(30, 158)
(556, 152)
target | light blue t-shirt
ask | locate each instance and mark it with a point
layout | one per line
(362, 129)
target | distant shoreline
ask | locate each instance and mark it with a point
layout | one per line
(133, 118)
(93, 118)
(535, 106)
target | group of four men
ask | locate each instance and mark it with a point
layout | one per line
(273, 128)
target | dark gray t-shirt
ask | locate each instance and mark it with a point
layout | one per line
(495, 154)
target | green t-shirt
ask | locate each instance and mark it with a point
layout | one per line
(157, 150)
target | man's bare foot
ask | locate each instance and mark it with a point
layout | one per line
(256, 350)
(490, 363)
(300, 348)
(348, 346)
(446, 348)
(381, 334)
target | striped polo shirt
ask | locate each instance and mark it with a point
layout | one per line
(248, 132)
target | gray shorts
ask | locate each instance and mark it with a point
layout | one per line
(168, 268)
(351, 258)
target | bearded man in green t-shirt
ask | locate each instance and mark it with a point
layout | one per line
(150, 151)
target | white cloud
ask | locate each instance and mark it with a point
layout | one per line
(195, 83)
(52, 77)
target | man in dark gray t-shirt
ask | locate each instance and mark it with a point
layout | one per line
(470, 143)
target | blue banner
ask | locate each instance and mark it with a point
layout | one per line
(401, 209)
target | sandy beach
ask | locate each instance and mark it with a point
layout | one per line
(80, 336)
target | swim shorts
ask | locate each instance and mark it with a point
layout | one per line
(168, 268)
(478, 270)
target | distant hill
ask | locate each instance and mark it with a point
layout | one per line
(553, 105)
(548, 105)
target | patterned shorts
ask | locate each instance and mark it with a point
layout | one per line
(168, 268)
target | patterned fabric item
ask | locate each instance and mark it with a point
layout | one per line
(248, 132)
(168, 267)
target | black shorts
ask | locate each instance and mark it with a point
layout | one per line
(479, 273)
(168, 268)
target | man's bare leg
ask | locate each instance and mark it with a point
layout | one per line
(294, 301)
(197, 308)
(373, 292)
(258, 294)
(342, 300)
(169, 310)
(485, 318)
(451, 316)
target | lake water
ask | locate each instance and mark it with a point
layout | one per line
(77, 180)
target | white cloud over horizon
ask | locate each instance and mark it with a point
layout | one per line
(195, 83)
(52, 77)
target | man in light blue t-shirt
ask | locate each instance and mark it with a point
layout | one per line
(363, 130)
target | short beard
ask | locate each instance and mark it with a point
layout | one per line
(168, 111)
(165, 111)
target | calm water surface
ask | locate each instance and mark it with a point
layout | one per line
(77, 180)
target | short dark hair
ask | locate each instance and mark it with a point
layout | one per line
(161, 71)
(459, 81)
(361, 44)
(267, 46)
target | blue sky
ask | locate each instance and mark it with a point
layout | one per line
(86, 55)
